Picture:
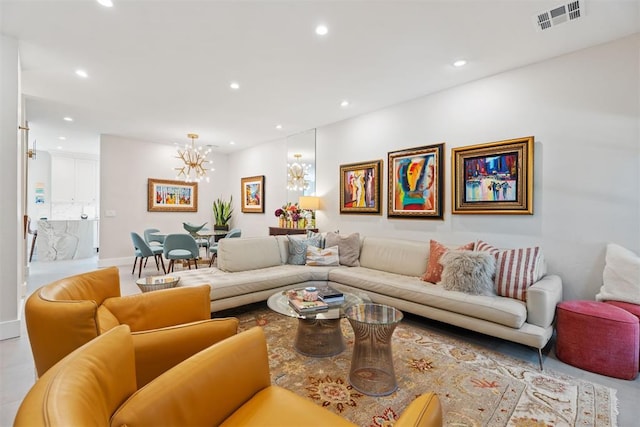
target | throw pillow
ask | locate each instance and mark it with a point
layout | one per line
(468, 271)
(298, 249)
(484, 246)
(348, 247)
(621, 276)
(434, 268)
(323, 257)
(321, 236)
(516, 270)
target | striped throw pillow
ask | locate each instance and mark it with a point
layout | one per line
(516, 269)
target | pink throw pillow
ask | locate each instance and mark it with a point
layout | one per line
(434, 268)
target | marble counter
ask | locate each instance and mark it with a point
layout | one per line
(65, 239)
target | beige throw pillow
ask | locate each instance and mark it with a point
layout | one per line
(348, 247)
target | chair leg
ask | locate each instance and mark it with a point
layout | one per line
(189, 263)
(33, 245)
(145, 262)
(170, 268)
(213, 257)
(162, 262)
(140, 267)
(134, 265)
(195, 262)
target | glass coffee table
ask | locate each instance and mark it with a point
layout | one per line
(318, 334)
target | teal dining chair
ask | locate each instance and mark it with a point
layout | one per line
(213, 247)
(180, 247)
(152, 238)
(143, 251)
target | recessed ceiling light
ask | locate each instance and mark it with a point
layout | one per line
(67, 119)
(59, 147)
(82, 73)
(460, 63)
(234, 85)
(278, 127)
(62, 138)
(322, 30)
(106, 3)
(344, 103)
(232, 143)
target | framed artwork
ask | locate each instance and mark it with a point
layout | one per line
(360, 187)
(493, 178)
(171, 196)
(252, 191)
(416, 182)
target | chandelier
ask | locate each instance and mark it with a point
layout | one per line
(296, 173)
(194, 159)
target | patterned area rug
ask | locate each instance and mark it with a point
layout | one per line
(476, 387)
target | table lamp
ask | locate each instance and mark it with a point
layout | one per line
(312, 204)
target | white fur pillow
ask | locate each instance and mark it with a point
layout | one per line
(621, 276)
(468, 271)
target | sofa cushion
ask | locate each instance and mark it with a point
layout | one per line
(348, 247)
(298, 249)
(433, 272)
(323, 257)
(248, 253)
(505, 311)
(394, 255)
(226, 285)
(468, 271)
(516, 270)
(621, 276)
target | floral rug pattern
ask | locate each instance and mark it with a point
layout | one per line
(476, 387)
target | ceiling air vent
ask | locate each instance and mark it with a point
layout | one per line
(559, 15)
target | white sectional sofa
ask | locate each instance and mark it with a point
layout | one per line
(252, 269)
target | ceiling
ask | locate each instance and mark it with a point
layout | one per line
(161, 69)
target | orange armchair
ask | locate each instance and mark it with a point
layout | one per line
(227, 384)
(166, 326)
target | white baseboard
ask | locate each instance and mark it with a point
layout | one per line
(9, 329)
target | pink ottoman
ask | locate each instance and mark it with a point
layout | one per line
(631, 308)
(598, 337)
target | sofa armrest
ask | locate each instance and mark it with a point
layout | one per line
(542, 298)
(159, 309)
(205, 389)
(424, 411)
(159, 350)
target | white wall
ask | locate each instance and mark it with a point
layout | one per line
(12, 248)
(269, 160)
(125, 166)
(582, 109)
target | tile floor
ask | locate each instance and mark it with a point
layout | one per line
(17, 373)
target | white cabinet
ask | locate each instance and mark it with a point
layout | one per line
(74, 180)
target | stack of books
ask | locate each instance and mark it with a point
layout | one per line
(307, 307)
(330, 295)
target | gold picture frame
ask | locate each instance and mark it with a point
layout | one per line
(252, 192)
(416, 184)
(493, 178)
(165, 195)
(360, 188)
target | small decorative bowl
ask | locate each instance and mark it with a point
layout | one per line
(310, 294)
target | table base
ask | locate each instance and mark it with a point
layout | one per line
(319, 337)
(373, 381)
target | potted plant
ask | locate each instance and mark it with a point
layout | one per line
(222, 211)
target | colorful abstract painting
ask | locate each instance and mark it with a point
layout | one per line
(415, 182)
(360, 187)
(496, 177)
